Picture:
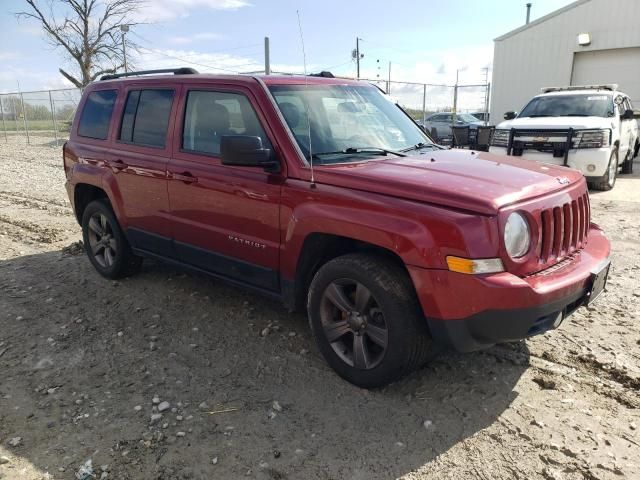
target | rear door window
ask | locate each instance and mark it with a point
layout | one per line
(146, 117)
(96, 114)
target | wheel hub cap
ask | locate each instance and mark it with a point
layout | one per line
(357, 322)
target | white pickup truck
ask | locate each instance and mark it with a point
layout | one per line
(589, 128)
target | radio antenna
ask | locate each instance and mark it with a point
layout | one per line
(306, 105)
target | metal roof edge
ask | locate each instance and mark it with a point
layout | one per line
(540, 20)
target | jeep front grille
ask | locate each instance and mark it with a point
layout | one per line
(564, 228)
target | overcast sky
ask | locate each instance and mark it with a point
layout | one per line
(425, 40)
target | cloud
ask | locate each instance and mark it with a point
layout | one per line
(220, 63)
(31, 80)
(4, 56)
(198, 37)
(163, 10)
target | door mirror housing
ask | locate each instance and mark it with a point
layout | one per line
(627, 115)
(247, 151)
(510, 115)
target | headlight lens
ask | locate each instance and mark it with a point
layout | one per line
(500, 138)
(517, 238)
(591, 138)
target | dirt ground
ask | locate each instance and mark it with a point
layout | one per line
(86, 365)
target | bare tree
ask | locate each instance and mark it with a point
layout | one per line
(89, 32)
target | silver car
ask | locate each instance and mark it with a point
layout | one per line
(442, 122)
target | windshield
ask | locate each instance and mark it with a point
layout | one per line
(587, 105)
(349, 123)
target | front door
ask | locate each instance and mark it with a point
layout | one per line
(225, 219)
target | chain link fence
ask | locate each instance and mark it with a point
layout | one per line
(422, 99)
(38, 118)
(44, 117)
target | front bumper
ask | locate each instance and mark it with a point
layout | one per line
(591, 162)
(471, 312)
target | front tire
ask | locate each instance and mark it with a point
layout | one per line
(608, 180)
(367, 321)
(106, 246)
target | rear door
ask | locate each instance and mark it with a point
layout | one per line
(225, 219)
(139, 161)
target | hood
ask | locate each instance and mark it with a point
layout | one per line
(558, 122)
(476, 181)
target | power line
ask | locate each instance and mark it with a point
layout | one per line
(210, 51)
(160, 52)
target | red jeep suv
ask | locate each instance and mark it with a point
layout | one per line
(323, 193)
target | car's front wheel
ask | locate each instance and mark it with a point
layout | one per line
(366, 320)
(105, 243)
(608, 180)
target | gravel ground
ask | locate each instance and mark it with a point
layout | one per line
(170, 375)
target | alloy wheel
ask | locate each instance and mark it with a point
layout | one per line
(354, 324)
(102, 241)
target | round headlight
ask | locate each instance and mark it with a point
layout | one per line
(517, 238)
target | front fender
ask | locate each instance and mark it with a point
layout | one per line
(421, 235)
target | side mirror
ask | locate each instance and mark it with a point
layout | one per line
(246, 151)
(510, 115)
(627, 115)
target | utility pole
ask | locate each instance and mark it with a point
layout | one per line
(389, 81)
(124, 29)
(486, 95)
(357, 58)
(267, 59)
(455, 100)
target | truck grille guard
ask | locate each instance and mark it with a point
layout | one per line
(539, 139)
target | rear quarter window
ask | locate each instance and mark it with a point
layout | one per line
(96, 114)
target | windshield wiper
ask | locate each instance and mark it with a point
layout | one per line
(420, 146)
(577, 115)
(352, 150)
(536, 116)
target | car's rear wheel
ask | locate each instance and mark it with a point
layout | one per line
(366, 320)
(105, 243)
(608, 180)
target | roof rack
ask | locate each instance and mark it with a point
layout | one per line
(608, 86)
(175, 71)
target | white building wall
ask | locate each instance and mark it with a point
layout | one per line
(541, 53)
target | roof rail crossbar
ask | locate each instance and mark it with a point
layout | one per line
(608, 86)
(175, 71)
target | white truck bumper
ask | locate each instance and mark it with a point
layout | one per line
(592, 162)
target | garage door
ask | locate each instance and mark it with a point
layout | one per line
(621, 66)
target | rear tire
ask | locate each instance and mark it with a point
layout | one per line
(106, 246)
(367, 321)
(608, 180)
(627, 165)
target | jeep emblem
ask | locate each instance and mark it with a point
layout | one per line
(563, 180)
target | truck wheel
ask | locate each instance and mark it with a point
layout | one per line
(627, 165)
(608, 180)
(367, 321)
(105, 243)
